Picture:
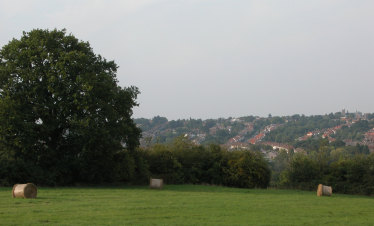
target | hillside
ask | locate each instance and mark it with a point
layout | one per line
(286, 132)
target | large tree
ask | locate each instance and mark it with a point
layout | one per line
(63, 116)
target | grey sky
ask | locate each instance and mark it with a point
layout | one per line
(215, 58)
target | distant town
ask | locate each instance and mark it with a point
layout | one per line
(288, 133)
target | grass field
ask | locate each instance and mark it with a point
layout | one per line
(183, 205)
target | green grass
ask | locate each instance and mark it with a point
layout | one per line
(183, 205)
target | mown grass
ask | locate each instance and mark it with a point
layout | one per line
(183, 205)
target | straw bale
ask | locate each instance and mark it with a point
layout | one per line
(156, 183)
(28, 190)
(324, 190)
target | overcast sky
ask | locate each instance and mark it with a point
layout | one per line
(215, 58)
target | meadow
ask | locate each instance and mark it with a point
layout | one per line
(182, 205)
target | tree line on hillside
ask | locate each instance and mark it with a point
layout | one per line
(175, 128)
(178, 127)
(146, 124)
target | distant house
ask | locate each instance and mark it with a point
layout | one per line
(257, 138)
(279, 146)
(236, 120)
(325, 135)
(239, 145)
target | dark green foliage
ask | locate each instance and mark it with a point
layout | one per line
(158, 120)
(146, 124)
(246, 169)
(248, 118)
(277, 120)
(194, 123)
(337, 143)
(279, 165)
(346, 175)
(258, 124)
(210, 139)
(143, 123)
(370, 116)
(210, 123)
(353, 176)
(236, 128)
(63, 118)
(304, 172)
(223, 136)
(309, 144)
(175, 124)
(348, 169)
(267, 147)
(182, 162)
(332, 116)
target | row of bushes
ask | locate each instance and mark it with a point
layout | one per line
(346, 176)
(180, 162)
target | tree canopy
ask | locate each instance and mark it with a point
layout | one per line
(62, 114)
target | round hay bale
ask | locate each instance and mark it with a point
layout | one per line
(28, 190)
(156, 183)
(324, 190)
